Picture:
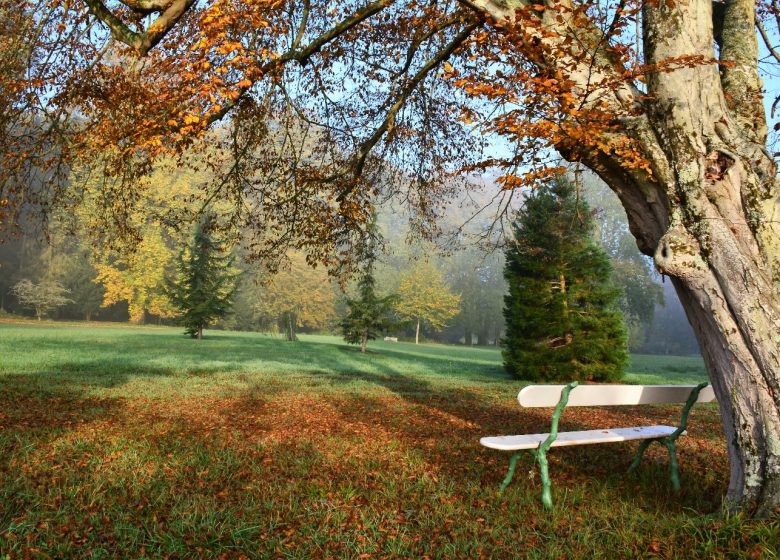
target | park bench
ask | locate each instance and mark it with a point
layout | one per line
(573, 394)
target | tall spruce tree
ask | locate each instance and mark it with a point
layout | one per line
(562, 319)
(204, 284)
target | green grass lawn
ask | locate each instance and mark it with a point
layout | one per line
(136, 442)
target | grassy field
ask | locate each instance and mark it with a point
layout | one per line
(139, 443)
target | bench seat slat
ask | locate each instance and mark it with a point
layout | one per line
(532, 441)
(611, 395)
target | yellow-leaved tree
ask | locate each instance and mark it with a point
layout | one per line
(139, 278)
(425, 298)
(298, 295)
(136, 273)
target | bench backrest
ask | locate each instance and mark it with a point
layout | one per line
(611, 395)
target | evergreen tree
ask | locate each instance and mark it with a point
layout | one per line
(633, 273)
(367, 314)
(562, 320)
(203, 287)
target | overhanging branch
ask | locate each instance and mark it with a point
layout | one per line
(170, 13)
(405, 93)
(302, 55)
(119, 30)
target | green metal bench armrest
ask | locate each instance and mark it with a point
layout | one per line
(557, 413)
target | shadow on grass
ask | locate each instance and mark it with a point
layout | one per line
(307, 472)
(432, 420)
(443, 426)
(110, 362)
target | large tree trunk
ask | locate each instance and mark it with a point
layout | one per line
(712, 228)
(720, 242)
(706, 208)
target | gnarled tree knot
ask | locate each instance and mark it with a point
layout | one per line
(678, 254)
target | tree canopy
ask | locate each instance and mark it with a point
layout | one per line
(298, 295)
(44, 296)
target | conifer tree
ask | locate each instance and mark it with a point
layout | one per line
(203, 287)
(368, 313)
(562, 319)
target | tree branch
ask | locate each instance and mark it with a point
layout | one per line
(147, 6)
(142, 43)
(163, 24)
(740, 80)
(389, 121)
(418, 41)
(119, 30)
(498, 11)
(302, 55)
(767, 41)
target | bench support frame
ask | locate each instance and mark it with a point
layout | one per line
(670, 441)
(540, 453)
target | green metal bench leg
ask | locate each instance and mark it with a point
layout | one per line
(640, 454)
(541, 452)
(673, 467)
(541, 456)
(510, 473)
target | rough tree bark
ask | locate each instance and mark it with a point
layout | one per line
(708, 213)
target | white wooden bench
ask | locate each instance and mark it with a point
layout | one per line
(574, 394)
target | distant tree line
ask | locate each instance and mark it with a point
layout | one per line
(77, 273)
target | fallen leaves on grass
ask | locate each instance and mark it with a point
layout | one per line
(303, 474)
